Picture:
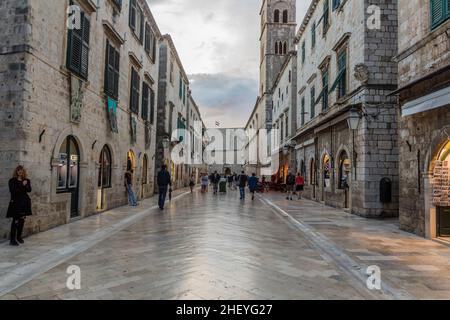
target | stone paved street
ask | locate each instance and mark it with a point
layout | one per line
(207, 247)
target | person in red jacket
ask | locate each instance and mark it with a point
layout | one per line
(299, 185)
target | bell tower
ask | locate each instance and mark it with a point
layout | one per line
(278, 24)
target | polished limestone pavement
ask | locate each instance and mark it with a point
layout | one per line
(218, 247)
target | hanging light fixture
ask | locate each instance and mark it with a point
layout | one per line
(353, 119)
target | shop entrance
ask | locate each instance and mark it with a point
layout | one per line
(441, 191)
(69, 172)
(443, 220)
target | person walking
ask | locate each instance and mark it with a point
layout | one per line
(243, 179)
(205, 183)
(236, 181)
(164, 181)
(20, 204)
(299, 185)
(252, 184)
(128, 182)
(215, 179)
(290, 182)
(192, 183)
(230, 179)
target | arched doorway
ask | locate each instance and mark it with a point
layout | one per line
(69, 172)
(441, 191)
(104, 176)
(344, 176)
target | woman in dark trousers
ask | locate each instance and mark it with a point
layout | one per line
(20, 204)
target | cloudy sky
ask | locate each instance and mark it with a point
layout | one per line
(218, 42)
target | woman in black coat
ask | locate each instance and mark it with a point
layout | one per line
(20, 204)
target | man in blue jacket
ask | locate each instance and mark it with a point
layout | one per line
(164, 181)
(252, 184)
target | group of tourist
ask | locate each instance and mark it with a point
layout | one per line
(20, 204)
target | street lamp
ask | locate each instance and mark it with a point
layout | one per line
(353, 119)
(353, 123)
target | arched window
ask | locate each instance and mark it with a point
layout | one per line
(285, 16)
(280, 47)
(104, 173)
(285, 48)
(68, 168)
(276, 47)
(344, 170)
(276, 17)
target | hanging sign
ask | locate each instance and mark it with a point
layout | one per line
(112, 114)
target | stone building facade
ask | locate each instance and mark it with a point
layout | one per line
(284, 115)
(173, 104)
(346, 140)
(77, 93)
(278, 23)
(424, 94)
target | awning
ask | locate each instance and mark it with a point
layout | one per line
(429, 102)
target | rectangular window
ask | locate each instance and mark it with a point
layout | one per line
(147, 42)
(112, 71)
(136, 20)
(152, 106)
(440, 12)
(303, 111)
(287, 126)
(313, 35)
(78, 48)
(303, 52)
(341, 80)
(325, 89)
(326, 16)
(181, 87)
(342, 65)
(145, 101)
(134, 94)
(313, 102)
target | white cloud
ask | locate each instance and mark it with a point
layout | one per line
(219, 38)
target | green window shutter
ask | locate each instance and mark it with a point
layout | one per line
(132, 15)
(303, 52)
(313, 35)
(326, 11)
(134, 95)
(145, 101)
(336, 82)
(439, 11)
(112, 71)
(107, 69)
(86, 29)
(313, 102)
(116, 73)
(152, 106)
(325, 90)
(147, 38)
(303, 110)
